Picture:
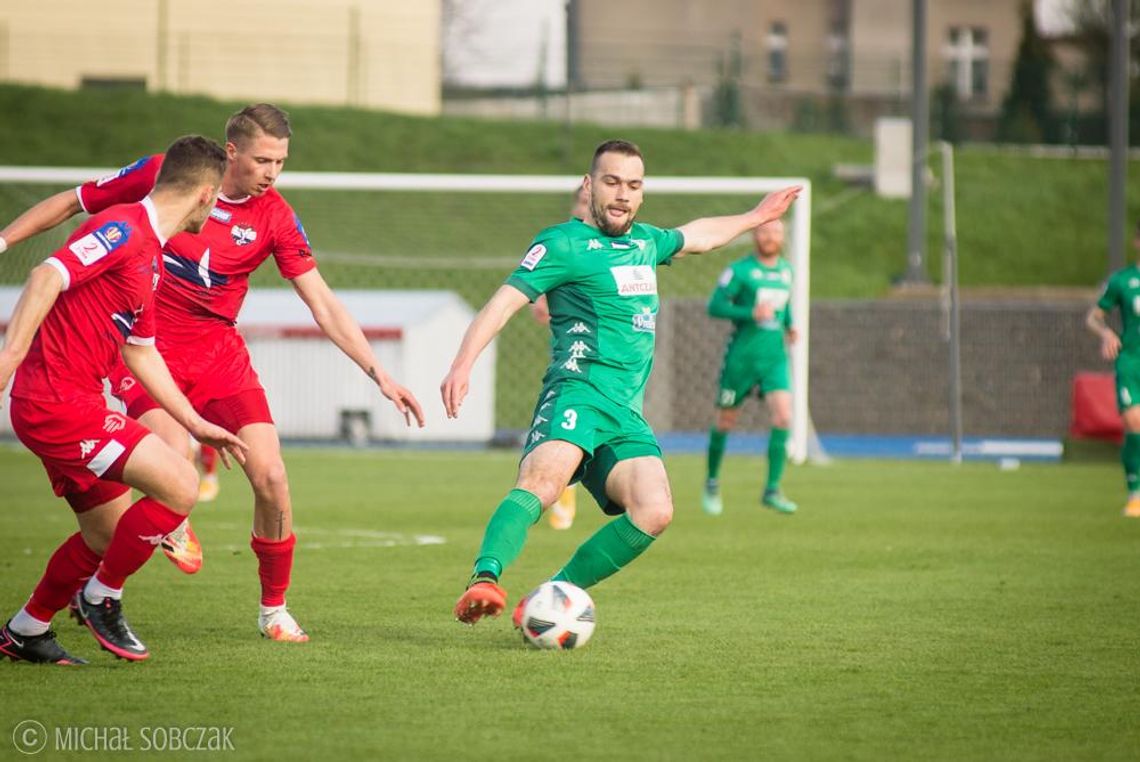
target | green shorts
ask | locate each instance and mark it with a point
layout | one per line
(1127, 381)
(738, 379)
(607, 432)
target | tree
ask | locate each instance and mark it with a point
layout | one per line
(1027, 114)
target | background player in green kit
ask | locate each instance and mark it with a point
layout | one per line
(755, 294)
(1123, 292)
(600, 278)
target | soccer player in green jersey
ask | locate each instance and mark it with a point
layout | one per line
(755, 294)
(1123, 292)
(599, 274)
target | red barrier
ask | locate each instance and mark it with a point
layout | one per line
(1094, 408)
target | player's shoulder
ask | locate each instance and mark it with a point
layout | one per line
(273, 203)
(1125, 274)
(559, 236)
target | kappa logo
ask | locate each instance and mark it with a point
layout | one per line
(113, 423)
(538, 421)
(1133, 283)
(152, 539)
(86, 446)
(535, 436)
(243, 234)
(593, 244)
(534, 256)
(639, 243)
(577, 328)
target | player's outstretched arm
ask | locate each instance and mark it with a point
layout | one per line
(708, 233)
(43, 216)
(40, 292)
(147, 365)
(342, 329)
(484, 327)
(1109, 341)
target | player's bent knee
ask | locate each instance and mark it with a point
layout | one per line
(181, 492)
(546, 490)
(270, 481)
(652, 519)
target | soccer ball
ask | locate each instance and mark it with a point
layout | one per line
(558, 615)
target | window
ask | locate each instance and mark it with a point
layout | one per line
(967, 56)
(838, 60)
(778, 52)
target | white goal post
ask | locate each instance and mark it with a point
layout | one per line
(749, 188)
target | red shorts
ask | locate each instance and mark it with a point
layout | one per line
(82, 444)
(216, 376)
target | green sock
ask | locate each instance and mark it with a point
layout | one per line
(777, 457)
(1130, 457)
(506, 532)
(717, 440)
(608, 550)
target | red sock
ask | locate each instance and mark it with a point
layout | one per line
(139, 532)
(70, 566)
(209, 458)
(274, 566)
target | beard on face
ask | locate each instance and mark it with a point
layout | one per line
(603, 221)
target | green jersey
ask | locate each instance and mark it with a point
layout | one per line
(602, 295)
(1123, 291)
(744, 284)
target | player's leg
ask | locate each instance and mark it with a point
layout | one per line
(561, 514)
(639, 485)
(208, 488)
(272, 539)
(28, 636)
(727, 411)
(180, 546)
(170, 487)
(1130, 458)
(543, 474)
(780, 415)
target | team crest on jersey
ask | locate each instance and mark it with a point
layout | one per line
(121, 173)
(635, 280)
(243, 234)
(1133, 283)
(221, 215)
(593, 243)
(101, 242)
(534, 256)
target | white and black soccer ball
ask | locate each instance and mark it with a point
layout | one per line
(558, 615)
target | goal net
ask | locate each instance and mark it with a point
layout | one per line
(465, 233)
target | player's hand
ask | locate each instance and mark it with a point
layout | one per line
(7, 370)
(793, 335)
(775, 204)
(1109, 345)
(404, 401)
(763, 312)
(224, 442)
(454, 390)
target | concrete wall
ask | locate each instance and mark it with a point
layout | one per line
(881, 367)
(373, 53)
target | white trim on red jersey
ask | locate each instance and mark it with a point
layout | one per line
(152, 217)
(62, 268)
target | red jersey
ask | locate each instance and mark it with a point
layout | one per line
(110, 267)
(209, 271)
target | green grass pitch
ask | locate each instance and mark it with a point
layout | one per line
(909, 611)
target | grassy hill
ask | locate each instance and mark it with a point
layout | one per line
(1022, 221)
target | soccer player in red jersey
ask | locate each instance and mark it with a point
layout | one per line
(83, 308)
(207, 279)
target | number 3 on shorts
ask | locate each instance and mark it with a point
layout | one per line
(571, 421)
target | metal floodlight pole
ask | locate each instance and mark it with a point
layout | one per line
(1118, 134)
(952, 303)
(920, 129)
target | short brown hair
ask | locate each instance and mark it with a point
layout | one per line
(190, 161)
(259, 117)
(623, 147)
